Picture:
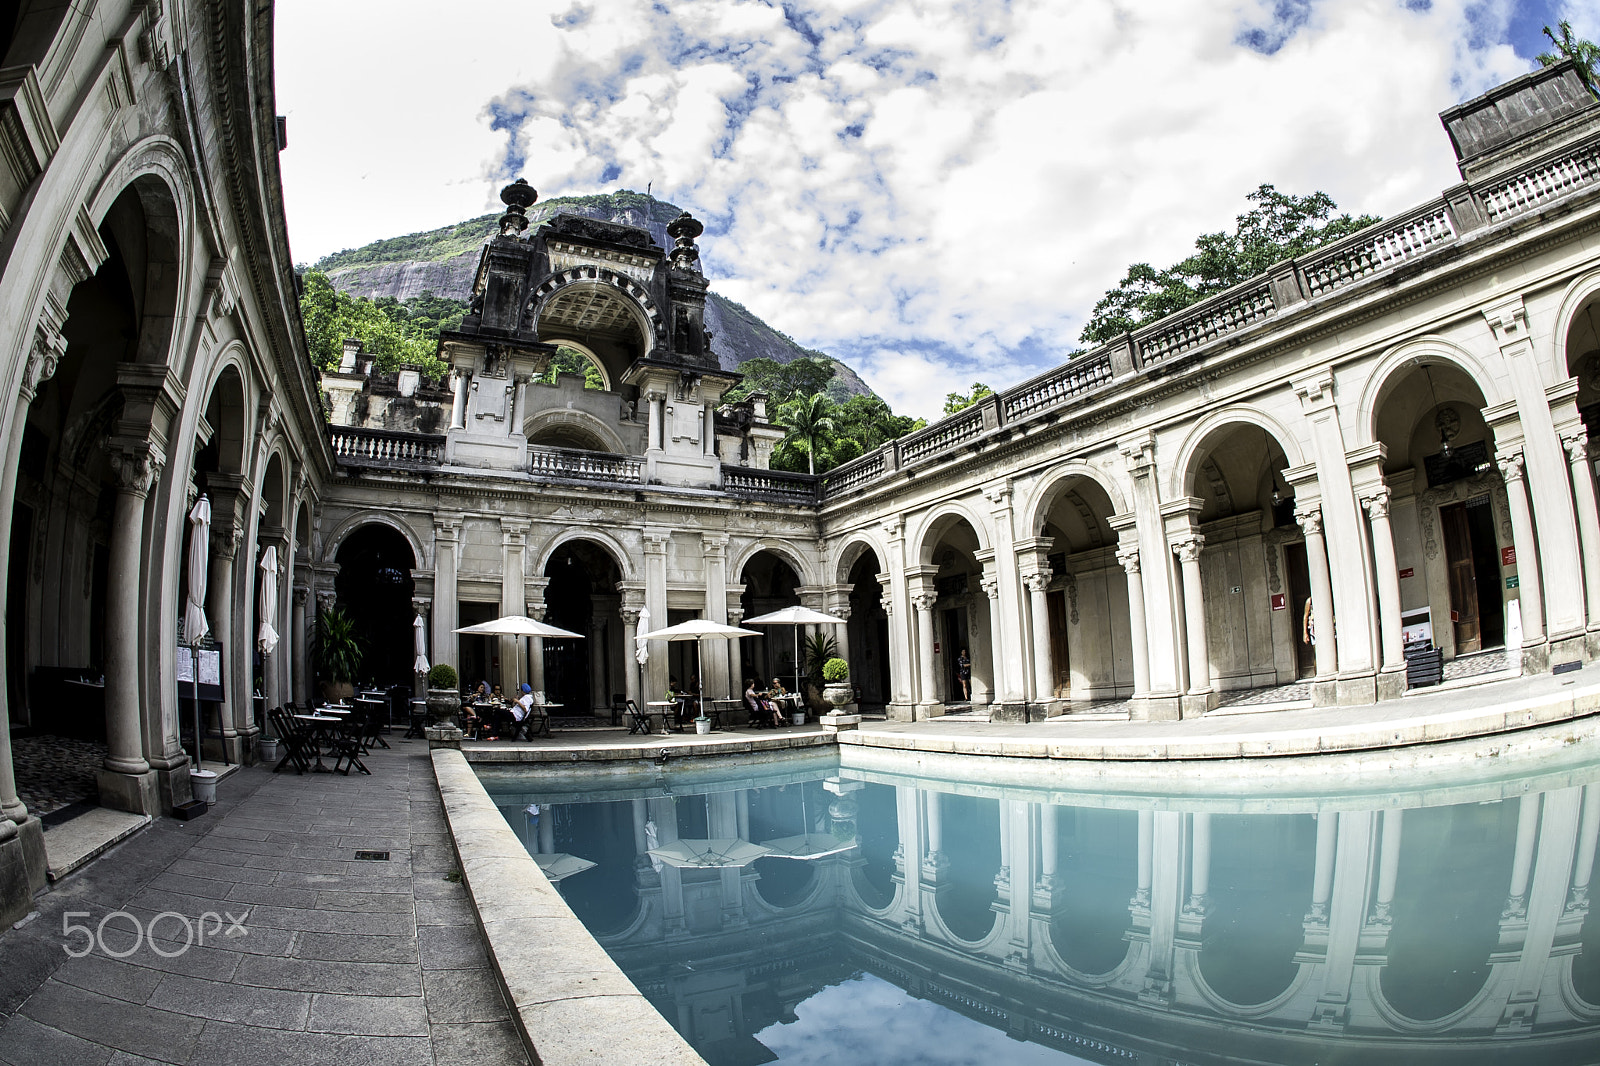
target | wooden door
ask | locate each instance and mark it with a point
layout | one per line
(1463, 578)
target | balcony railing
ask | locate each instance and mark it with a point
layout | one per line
(355, 446)
(570, 464)
(778, 485)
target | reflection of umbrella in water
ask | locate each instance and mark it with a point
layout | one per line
(808, 846)
(709, 854)
(558, 865)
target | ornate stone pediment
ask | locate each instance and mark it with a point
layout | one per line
(582, 227)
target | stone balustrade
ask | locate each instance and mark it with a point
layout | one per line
(779, 485)
(1541, 182)
(355, 446)
(570, 464)
(1376, 249)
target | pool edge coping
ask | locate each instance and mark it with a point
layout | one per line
(557, 979)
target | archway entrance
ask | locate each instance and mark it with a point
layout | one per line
(1090, 642)
(584, 676)
(770, 584)
(375, 587)
(869, 634)
(959, 663)
(1449, 511)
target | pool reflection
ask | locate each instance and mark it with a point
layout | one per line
(1301, 931)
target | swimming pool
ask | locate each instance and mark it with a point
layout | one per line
(851, 914)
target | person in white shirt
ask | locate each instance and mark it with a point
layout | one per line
(523, 708)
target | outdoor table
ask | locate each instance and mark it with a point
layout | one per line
(372, 706)
(319, 724)
(727, 707)
(663, 712)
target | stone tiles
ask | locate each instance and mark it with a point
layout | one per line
(342, 961)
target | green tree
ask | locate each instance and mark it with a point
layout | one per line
(782, 382)
(1584, 53)
(960, 401)
(1280, 226)
(869, 421)
(572, 361)
(382, 326)
(809, 419)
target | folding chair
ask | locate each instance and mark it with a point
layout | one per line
(296, 742)
(638, 721)
(346, 740)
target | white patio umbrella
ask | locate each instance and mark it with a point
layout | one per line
(518, 625)
(808, 846)
(709, 854)
(421, 663)
(796, 616)
(698, 629)
(195, 626)
(267, 633)
(558, 864)
(641, 650)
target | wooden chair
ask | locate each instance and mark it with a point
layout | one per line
(296, 742)
(347, 748)
(638, 721)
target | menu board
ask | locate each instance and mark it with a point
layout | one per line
(210, 673)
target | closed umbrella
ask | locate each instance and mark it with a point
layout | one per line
(421, 664)
(796, 616)
(267, 633)
(641, 650)
(195, 626)
(808, 846)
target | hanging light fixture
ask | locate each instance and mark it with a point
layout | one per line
(1444, 441)
(1277, 493)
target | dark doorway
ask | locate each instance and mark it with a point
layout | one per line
(869, 634)
(374, 587)
(479, 656)
(581, 597)
(1472, 556)
(955, 640)
(1297, 572)
(17, 613)
(1060, 653)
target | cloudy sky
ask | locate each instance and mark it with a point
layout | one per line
(933, 192)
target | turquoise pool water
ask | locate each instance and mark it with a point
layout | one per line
(944, 922)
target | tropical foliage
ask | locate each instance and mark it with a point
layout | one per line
(1584, 53)
(338, 650)
(958, 401)
(1280, 226)
(572, 361)
(392, 332)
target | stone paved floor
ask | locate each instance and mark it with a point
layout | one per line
(1487, 662)
(55, 772)
(343, 961)
(1256, 697)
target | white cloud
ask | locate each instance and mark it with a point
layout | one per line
(935, 193)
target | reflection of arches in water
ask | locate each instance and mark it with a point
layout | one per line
(970, 827)
(878, 823)
(374, 586)
(784, 811)
(785, 882)
(606, 897)
(1446, 922)
(1586, 966)
(1097, 872)
(1260, 891)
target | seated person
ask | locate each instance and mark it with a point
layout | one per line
(471, 724)
(482, 692)
(762, 710)
(521, 711)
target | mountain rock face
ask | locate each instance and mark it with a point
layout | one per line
(443, 261)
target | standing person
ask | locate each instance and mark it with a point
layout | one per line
(964, 674)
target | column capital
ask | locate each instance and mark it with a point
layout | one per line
(893, 526)
(1038, 581)
(514, 531)
(630, 615)
(1508, 319)
(1129, 558)
(1315, 390)
(1510, 466)
(1577, 446)
(326, 601)
(446, 526)
(1310, 520)
(421, 604)
(534, 609)
(301, 594)
(136, 464)
(49, 345)
(924, 601)
(1376, 503)
(1139, 453)
(1187, 548)
(735, 614)
(656, 540)
(713, 544)
(225, 540)
(990, 583)
(998, 493)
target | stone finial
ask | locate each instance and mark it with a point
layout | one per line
(518, 197)
(683, 230)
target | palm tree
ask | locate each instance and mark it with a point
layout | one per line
(1582, 52)
(808, 417)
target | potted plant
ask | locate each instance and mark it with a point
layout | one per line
(817, 649)
(702, 725)
(338, 653)
(267, 748)
(837, 691)
(444, 700)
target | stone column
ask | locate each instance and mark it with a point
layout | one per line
(1388, 866)
(1008, 672)
(1038, 585)
(1530, 597)
(535, 610)
(458, 408)
(1200, 866)
(127, 781)
(630, 672)
(655, 599)
(736, 655)
(714, 555)
(897, 605)
(1138, 635)
(220, 592)
(841, 632)
(656, 400)
(709, 435)
(1522, 857)
(990, 583)
(1322, 617)
(1588, 523)
(297, 638)
(1049, 815)
(1383, 561)
(1588, 831)
(547, 829)
(933, 823)
(1147, 826)
(1322, 874)
(513, 545)
(927, 670)
(1187, 550)
(446, 545)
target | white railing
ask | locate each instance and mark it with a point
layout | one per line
(570, 464)
(356, 445)
(1541, 182)
(1368, 253)
(1216, 317)
(852, 475)
(941, 435)
(1057, 387)
(780, 484)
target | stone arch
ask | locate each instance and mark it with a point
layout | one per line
(331, 543)
(850, 548)
(593, 356)
(1197, 443)
(1582, 291)
(612, 546)
(1044, 495)
(783, 550)
(642, 308)
(938, 519)
(225, 389)
(561, 421)
(1418, 352)
(274, 486)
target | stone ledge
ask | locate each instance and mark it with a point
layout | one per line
(571, 1003)
(677, 746)
(75, 842)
